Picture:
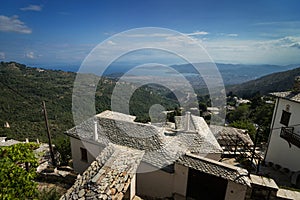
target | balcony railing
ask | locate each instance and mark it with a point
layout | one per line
(288, 134)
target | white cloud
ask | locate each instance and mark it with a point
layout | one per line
(147, 35)
(285, 42)
(232, 35)
(32, 8)
(197, 33)
(30, 55)
(13, 24)
(2, 55)
(111, 42)
(228, 34)
(280, 51)
(296, 45)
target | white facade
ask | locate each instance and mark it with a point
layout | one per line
(93, 150)
(279, 151)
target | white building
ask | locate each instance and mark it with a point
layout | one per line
(191, 135)
(284, 140)
(182, 163)
(119, 159)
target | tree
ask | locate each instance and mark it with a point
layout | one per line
(241, 113)
(63, 146)
(17, 171)
(245, 124)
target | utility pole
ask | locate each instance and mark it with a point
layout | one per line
(48, 133)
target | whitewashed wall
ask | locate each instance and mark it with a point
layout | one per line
(92, 149)
(279, 151)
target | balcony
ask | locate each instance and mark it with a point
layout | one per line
(288, 134)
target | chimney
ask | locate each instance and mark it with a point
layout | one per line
(296, 88)
(95, 129)
(187, 118)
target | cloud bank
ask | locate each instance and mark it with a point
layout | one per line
(13, 24)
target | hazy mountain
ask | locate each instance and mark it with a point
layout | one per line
(280, 81)
(231, 73)
(236, 73)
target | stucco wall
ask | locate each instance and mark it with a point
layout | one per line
(279, 151)
(92, 151)
(180, 179)
(156, 183)
(235, 191)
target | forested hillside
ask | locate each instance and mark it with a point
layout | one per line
(24, 88)
(280, 81)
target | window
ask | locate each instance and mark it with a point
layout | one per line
(285, 118)
(83, 154)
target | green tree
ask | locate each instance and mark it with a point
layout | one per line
(17, 171)
(241, 113)
(63, 146)
(245, 124)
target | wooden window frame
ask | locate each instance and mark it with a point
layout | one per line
(84, 156)
(285, 118)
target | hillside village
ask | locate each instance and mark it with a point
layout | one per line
(150, 100)
(113, 156)
(193, 167)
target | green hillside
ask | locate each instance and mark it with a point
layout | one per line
(24, 88)
(275, 82)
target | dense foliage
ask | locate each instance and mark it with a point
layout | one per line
(24, 88)
(17, 171)
(246, 116)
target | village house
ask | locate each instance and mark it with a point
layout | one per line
(172, 160)
(7, 142)
(284, 140)
(122, 159)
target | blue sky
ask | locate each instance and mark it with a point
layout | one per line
(64, 32)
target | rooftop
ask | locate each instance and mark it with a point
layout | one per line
(229, 135)
(116, 115)
(160, 150)
(5, 142)
(109, 176)
(290, 95)
(215, 168)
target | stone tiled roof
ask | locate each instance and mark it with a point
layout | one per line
(199, 144)
(287, 95)
(160, 150)
(228, 135)
(195, 133)
(116, 115)
(215, 168)
(109, 176)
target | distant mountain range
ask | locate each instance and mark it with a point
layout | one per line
(280, 81)
(231, 73)
(238, 73)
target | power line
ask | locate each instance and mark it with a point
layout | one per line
(18, 93)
